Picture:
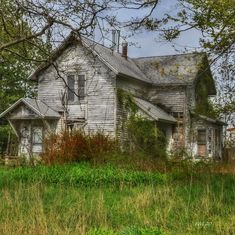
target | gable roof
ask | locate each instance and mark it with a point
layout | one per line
(171, 69)
(154, 111)
(118, 64)
(181, 69)
(39, 107)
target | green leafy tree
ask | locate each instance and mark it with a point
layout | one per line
(16, 63)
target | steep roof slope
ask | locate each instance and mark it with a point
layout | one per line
(171, 69)
(39, 107)
(118, 64)
(114, 60)
(179, 69)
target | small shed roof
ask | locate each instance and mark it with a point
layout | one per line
(154, 111)
(208, 119)
(38, 106)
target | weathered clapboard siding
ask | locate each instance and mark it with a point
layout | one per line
(136, 88)
(213, 140)
(173, 97)
(98, 107)
(22, 112)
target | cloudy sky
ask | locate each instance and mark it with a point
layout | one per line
(149, 43)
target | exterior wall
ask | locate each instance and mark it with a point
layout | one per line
(21, 112)
(98, 107)
(176, 101)
(172, 97)
(136, 88)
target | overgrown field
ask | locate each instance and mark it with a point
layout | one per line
(85, 199)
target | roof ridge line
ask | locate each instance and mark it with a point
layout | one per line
(181, 54)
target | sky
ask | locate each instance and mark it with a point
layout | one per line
(148, 43)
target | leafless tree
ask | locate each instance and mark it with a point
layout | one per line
(30, 21)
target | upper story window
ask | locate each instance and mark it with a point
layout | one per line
(179, 115)
(76, 87)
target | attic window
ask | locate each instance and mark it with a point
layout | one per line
(76, 87)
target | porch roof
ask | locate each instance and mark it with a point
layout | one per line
(37, 106)
(208, 119)
(154, 111)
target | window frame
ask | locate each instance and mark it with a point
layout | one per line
(77, 99)
(204, 141)
(33, 132)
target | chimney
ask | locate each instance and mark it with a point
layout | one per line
(124, 49)
(118, 40)
(115, 40)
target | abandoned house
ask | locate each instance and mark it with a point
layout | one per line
(78, 88)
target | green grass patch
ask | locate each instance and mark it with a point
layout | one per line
(80, 175)
(86, 199)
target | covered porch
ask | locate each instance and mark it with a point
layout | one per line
(206, 137)
(164, 121)
(31, 120)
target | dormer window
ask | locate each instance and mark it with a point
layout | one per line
(75, 87)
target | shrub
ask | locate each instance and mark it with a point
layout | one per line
(145, 136)
(76, 146)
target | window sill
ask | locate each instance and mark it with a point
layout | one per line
(76, 102)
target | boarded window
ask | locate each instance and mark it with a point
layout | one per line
(81, 87)
(201, 142)
(71, 87)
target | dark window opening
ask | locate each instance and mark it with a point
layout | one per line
(71, 87)
(201, 137)
(177, 114)
(81, 87)
(201, 142)
(76, 87)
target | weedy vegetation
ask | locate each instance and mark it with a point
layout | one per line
(86, 198)
(86, 185)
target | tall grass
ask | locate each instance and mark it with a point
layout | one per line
(81, 199)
